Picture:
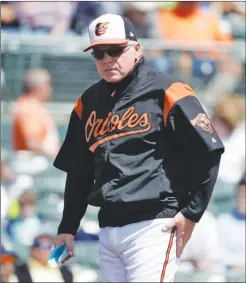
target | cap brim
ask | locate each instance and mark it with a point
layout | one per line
(106, 41)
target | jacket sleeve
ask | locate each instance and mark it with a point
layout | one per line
(204, 177)
(191, 128)
(75, 159)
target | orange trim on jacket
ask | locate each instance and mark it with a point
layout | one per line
(174, 93)
(78, 107)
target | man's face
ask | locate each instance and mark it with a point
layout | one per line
(7, 266)
(41, 249)
(113, 67)
(27, 204)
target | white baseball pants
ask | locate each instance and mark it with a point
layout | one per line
(138, 252)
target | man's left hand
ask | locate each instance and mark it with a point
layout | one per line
(184, 229)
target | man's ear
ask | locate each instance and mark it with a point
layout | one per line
(137, 47)
(139, 52)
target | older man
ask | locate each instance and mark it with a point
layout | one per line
(140, 146)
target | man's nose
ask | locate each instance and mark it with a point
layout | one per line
(107, 59)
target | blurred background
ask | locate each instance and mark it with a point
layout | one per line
(43, 71)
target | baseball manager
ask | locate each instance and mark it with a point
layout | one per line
(140, 146)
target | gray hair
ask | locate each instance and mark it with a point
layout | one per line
(34, 78)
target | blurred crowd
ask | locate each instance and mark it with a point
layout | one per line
(185, 23)
(216, 252)
(152, 19)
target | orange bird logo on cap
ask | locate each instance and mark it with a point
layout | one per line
(100, 28)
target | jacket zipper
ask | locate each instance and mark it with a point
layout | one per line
(113, 112)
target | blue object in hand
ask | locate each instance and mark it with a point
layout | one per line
(58, 255)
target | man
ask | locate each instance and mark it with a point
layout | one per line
(188, 22)
(143, 17)
(27, 219)
(229, 121)
(37, 268)
(8, 261)
(33, 127)
(140, 147)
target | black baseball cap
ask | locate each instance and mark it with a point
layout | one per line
(111, 29)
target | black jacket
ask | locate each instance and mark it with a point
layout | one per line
(134, 149)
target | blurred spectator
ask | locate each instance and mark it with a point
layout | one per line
(227, 79)
(228, 120)
(33, 127)
(143, 17)
(27, 220)
(4, 203)
(233, 14)
(202, 254)
(232, 231)
(228, 112)
(7, 177)
(8, 16)
(49, 17)
(5, 172)
(187, 22)
(12, 183)
(84, 13)
(37, 268)
(8, 260)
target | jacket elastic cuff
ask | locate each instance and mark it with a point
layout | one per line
(66, 229)
(191, 216)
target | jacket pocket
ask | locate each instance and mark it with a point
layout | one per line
(167, 194)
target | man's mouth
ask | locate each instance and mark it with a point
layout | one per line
(110, 70)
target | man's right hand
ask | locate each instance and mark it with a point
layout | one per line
(68, 239)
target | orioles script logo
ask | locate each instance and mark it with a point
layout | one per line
(101, 28)
(203, 122)
(99, 127)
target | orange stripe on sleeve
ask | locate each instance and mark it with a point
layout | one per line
(78, 107)
(174, 93)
